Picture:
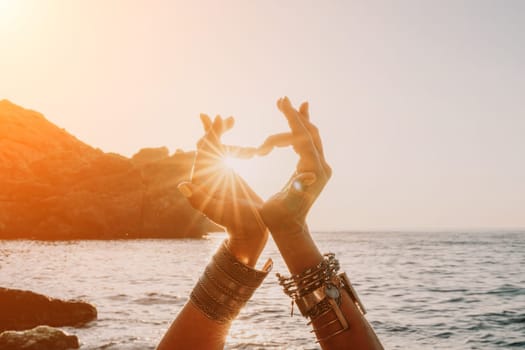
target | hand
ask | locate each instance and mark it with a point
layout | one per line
(286, 211)
(223, 196)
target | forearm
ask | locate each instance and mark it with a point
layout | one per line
(218, 296)
(300, 253)
(193, 330)
(247, 250)
(297, 247)
(359, 335)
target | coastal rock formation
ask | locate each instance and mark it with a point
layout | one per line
(21, 310)
(53, 186)
(39, 338)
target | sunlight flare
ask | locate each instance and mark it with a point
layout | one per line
(240, 166)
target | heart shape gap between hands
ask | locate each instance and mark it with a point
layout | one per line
(264, 174)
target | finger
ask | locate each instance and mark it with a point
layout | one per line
(210, 130)
(300, 183)
(300, 143)
(209, 149)
(303, 180)
(304, 144)
(207, 170)
(314, 132)
(284, 104)
(298, 121)
(316, 138)
(221, 183)
(216, 127)
(210, 143)
(202, 201)
(303, 110)
(277, 140)
(228, 124)
(208, 154)
(220, 126)
(221, 207)
(206, 122)
(240, 152)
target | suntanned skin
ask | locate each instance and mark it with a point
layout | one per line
(227, 200)
(285, 215)
(232, 204)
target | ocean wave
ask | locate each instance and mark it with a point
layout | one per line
(159, 298)
(444, 291)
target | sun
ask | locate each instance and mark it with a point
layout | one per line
(240, 166)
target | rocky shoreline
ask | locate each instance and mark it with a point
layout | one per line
(38, 338)
(27, 320)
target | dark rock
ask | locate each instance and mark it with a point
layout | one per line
(39, 338)
(53, 186)
(22, 310)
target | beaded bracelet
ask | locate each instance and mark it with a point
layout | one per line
(226, 285)
(317, 292)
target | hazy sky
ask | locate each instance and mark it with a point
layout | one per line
(420, 103)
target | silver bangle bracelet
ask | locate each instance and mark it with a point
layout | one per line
(226, 285)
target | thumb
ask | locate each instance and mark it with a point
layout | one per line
(277, 140)
(206, 122)
(303, 109)
(303, 180)
(228, 123)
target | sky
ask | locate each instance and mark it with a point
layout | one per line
(420, 104)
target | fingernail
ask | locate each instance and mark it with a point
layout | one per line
(185, 190)
(309, 181)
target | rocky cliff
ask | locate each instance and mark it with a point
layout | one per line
(53, 186)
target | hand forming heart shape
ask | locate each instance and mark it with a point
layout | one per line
(225, 197)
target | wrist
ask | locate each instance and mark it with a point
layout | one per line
(247, 248)
(226, 285)
(289, 229)
(297, 248)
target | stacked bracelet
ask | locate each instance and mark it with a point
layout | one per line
(226, 285)
(317, 291)
(309, 280)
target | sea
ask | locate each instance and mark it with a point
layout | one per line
(423, 290)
